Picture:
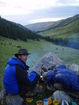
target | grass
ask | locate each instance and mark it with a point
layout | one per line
(9, 47)
(64, 32)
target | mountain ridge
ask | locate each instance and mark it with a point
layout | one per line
(55, 25)
(16, 31)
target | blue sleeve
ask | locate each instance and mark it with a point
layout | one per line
(32, 76)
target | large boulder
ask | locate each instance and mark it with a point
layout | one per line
(47, 61)
(14, 100)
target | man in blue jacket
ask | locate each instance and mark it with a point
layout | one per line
(16, 79)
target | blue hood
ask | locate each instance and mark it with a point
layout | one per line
(16, 61)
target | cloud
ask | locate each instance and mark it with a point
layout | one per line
(50, 14)
(18, 7)
(28, 6)
(2, 4)
(25, 6)
(27, 11)
(55, 12)
(45, 20)
(69, 2)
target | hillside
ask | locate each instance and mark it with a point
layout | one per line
(35, 27)
(62, 28)
(16, 31)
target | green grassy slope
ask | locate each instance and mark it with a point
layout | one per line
(63, 29)
(38, 48)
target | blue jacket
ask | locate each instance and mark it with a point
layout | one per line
(66, 77)
(9, 78)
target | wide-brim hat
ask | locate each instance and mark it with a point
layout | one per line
(22, 52)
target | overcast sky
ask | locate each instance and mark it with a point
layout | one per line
(32, 11)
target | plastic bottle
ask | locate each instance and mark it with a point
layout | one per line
(45, 101)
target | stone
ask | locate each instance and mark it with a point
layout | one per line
(47, 62)
(2, 93)
(14, 100)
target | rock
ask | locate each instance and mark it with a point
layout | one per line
(61, 95)
(2, 93)
(75, 68)
(47, 61)
(14, 100)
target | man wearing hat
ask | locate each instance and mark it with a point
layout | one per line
(16, 79)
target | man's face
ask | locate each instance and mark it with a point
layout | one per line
(24, 58)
